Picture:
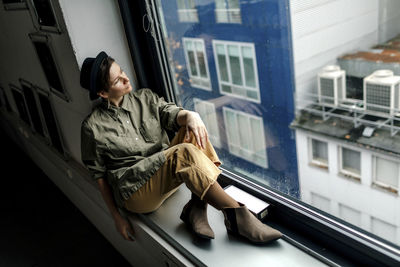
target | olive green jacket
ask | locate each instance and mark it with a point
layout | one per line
(124, 144)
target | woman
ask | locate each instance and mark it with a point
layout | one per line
(126, 148)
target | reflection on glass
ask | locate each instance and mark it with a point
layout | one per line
(289, 104)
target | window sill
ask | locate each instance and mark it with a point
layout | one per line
(319, 165)
(350, 177)
(225, 249)
(385, 188)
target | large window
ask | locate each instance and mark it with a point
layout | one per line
(386, 173)
(196, 62)
(350, 162)
(237, 69)
(264, 66)
(318, 152)
(246, 136)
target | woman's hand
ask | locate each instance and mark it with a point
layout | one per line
(196, 125)
(124, 228)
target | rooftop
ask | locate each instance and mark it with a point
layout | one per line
(343, 125)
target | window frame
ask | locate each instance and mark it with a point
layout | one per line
(35, 17)
(315, 162)
(230, 83)
(193, 40)
(377, 184)
(45, 38)
(249, 117)
(344, 172)
(15, 89)
(42, 92)
(318, 234)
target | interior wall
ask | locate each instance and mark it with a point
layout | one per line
(87, 27)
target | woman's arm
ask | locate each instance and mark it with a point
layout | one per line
(193, 123)
(121, 224)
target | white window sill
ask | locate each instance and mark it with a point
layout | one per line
(224, 250)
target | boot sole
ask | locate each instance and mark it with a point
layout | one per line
(251, 241)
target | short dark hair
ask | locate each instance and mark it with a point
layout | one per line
(103, 82)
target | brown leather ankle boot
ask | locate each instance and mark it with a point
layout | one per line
(194, 214)
(242, 222)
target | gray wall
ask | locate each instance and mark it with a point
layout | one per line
(88, 26)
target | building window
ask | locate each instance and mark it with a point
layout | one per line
(227, 11)
(237, 69)
(245, 134)
(20, 103)
(208, 115)
(318, 153)
(196, 62)
(350, 162)
(320, 202)
(32, 107)
(44, 15)
(350, 215)
(187, 11)
(53, 131)
(383, 229)
(386, 173)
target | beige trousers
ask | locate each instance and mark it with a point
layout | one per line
(185, 163)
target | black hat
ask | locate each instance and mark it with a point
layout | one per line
(89, 73)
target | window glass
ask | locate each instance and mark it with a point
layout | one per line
(279, 73)
(319, 151)
(351, 160)
(387, 172)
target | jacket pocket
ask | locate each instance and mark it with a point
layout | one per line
(151, 130)
(120, 146)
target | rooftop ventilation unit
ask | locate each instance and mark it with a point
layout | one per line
(381, 93)
(331, 85)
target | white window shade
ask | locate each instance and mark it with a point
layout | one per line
(387, 172)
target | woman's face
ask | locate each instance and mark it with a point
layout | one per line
(119, 84)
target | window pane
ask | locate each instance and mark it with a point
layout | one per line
(223, 69)
(249, 73)
(202, 64)
(234, 61)
(299, 68)
(351, 160)
(320, 151)
(387, 172)
(192, 61)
